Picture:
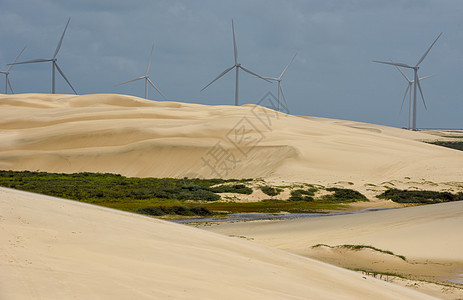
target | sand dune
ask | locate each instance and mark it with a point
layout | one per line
(58, 249)
(137, 137)
(428, 236)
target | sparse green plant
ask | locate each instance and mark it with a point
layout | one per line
(361, 247)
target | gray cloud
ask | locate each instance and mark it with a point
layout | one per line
(109, 42)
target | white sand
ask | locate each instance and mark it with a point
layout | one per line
(428, 236)
(137, 137)
(58, 249)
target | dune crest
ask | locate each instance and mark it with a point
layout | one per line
(138, 137)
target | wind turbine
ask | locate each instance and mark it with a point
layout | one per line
(54, 61)
(236, 66)
(278, 79)
(409, 87)
(7, 73)
(416, 81)
(147, 78)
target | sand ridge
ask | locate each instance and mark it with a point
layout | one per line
(138, 137)
(53, 249)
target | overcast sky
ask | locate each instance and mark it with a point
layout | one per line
(108, 42)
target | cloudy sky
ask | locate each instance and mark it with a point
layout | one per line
(108, 42)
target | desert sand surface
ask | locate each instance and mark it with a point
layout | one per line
(137, 137)
(52, 248)
(428, 236)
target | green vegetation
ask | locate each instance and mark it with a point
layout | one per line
(274, 206)
(361, 247)
(237, 188)
(303, 195)
(174, 210)
(97, 187)
(344, 195)
(270, 191)
(458, 145)
(453, 136)
(425, 197)
(161, 196)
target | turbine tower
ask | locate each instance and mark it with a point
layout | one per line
(416, 80)
(236, 66)
(147, 78)
(278, 79)
(7, 73)
(54, 61)
(409, 88)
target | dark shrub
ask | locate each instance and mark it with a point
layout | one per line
(200, 211)
(237, 188)
(345, 195)
(425, 197)
(271, 191)
(302, 195)
(152, 211)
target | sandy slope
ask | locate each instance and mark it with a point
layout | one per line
(136, 137)
(58, 249)
(428, 236)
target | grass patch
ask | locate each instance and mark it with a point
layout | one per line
(424, 197)
(274, 206)
(361, 247)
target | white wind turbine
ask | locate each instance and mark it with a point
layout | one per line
(278, 79)
(54, 61)
(147, 78)
(416, 80)
(236, 66)
(409, 88)
(7, 73)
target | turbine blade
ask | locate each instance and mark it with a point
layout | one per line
(284, 71)
(283, 94)
(31, 61)
(421, 92)
(426, 77)
(64, 76)
(152, 84)
(16, 59)
(149, 61)
(251, 72)
(61, 39)
(427, 51)
(9, 84)
(131, 80)
(405, 96)
(394, 64)
(221, 74)
(235, 49)
(401, 72)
